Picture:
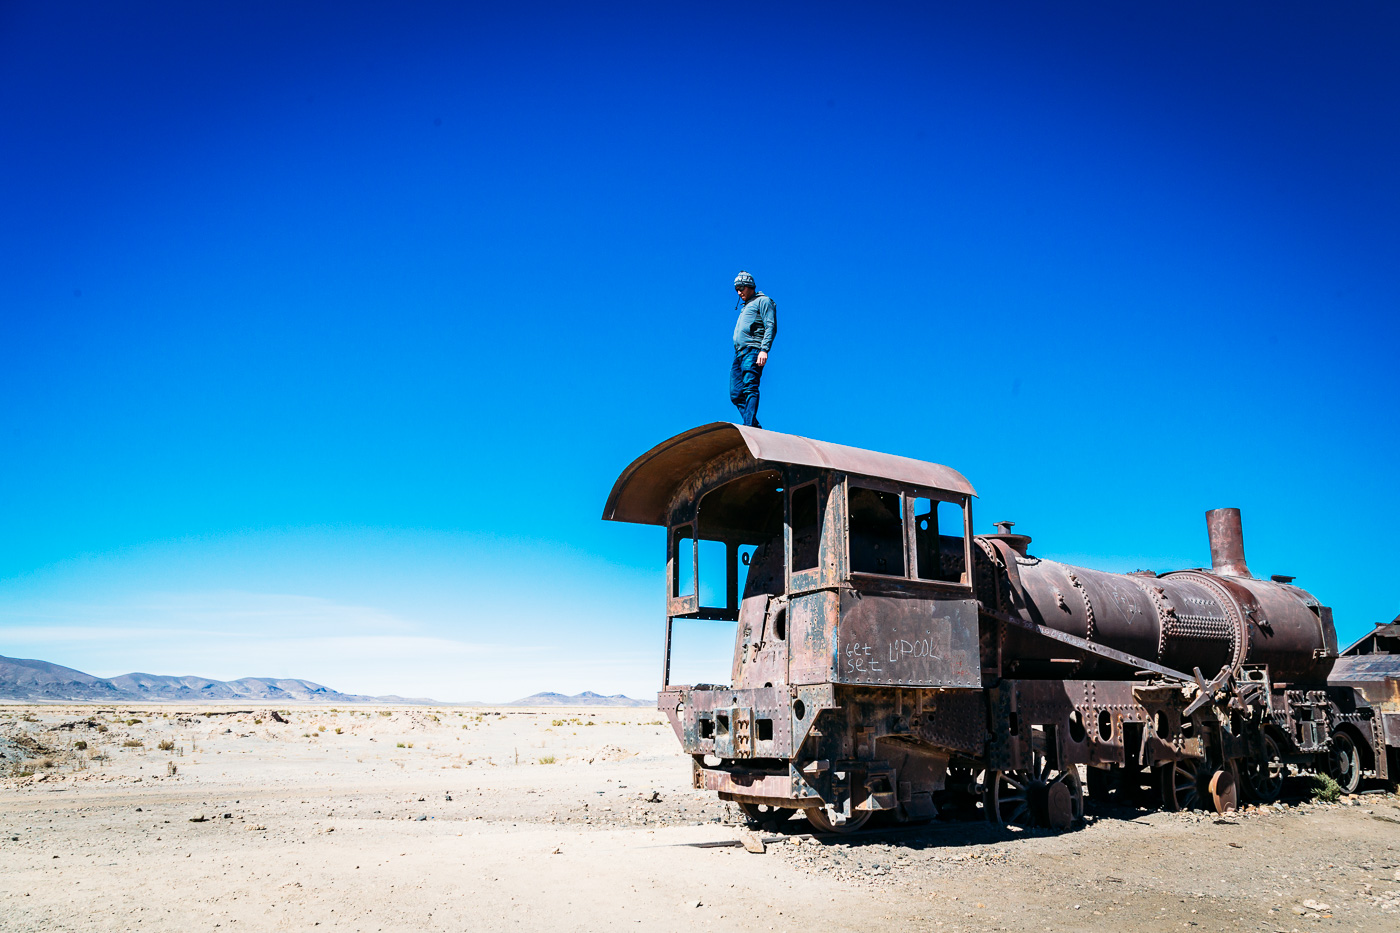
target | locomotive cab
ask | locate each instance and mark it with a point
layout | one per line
(842, 569)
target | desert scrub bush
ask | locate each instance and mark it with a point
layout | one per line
(257, 722)
(399, 745)
(101, 728)
(383, 713)
(547, 759)
(170, 768)
(80, 745)
(320, 728)
(132, 743)
(1325, 789)
(133, 722)
(44, 763)
(166, 745)
(338, 730)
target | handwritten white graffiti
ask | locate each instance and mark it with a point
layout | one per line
(869, 658)
(1127, 602)
(862, 658)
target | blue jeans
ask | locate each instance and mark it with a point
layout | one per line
(743, 384)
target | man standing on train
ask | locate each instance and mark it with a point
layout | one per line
(753, 338)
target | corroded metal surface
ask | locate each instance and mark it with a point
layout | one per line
(883, 662)
(643, 490)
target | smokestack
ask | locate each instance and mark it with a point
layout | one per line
(1227, 543)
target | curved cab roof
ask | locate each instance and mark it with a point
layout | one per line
(645, 488)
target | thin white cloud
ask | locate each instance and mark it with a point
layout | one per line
(228, 634)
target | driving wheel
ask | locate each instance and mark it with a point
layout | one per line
(1180, 784)
(1041, 796)
(760, 814)
(1343, 763)
(827, 820)
(1263, 776)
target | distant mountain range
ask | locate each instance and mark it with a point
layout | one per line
(42, 681)
(586, 698)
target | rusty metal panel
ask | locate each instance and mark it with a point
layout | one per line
(812, 628)
(789, 448)
(742, 784)
(737, 723)
(1391, 724)
(953, 719)
(646, 487)
(807, 703)
(896, 641)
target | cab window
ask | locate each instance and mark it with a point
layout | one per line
(877, 531)
(939, 552)
(806, 528)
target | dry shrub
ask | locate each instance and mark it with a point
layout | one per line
(1325, 788)
(166, 745)
(132, 743)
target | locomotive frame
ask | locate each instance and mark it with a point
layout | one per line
(887, 660)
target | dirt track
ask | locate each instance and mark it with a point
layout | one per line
(410, 822)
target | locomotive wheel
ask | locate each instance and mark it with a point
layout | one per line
(1343, 763)
(1264, 776)
(758, 814)
(1180, 784)
(1043, 796)
(827, 820)
(1225, 788)
(1009, 798)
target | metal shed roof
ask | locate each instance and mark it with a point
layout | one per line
(645, 488)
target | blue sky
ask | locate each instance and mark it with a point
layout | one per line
(327, 327)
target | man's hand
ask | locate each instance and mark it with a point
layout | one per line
(762, 358)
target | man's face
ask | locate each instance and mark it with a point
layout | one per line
(746, 292)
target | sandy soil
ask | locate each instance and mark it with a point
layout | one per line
(389, 819)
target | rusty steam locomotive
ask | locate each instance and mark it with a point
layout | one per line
(889, 660)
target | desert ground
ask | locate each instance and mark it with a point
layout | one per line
(408, 818)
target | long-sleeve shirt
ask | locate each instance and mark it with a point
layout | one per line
(757, 324)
